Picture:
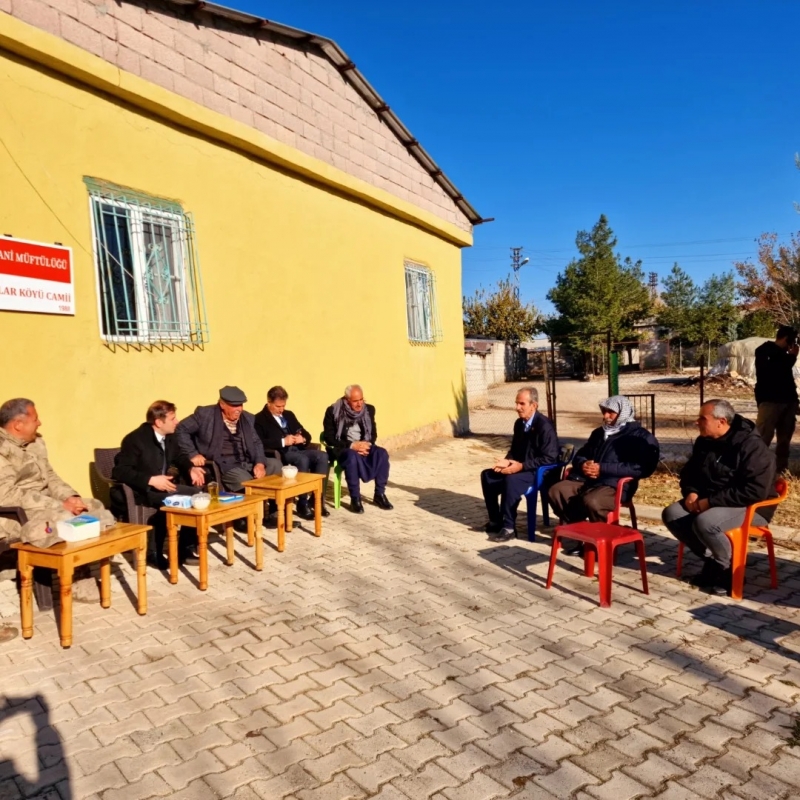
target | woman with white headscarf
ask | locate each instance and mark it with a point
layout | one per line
(619, 448)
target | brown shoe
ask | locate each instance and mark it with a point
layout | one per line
(7, 633)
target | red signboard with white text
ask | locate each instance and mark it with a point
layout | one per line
(36, 277)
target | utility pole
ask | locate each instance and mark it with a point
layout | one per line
(653, 283)
(517, 262)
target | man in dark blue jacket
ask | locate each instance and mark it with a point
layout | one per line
(534, 444)
(619, 448)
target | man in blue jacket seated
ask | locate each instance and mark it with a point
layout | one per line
(534, 444)
(620, 448)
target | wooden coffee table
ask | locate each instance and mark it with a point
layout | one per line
(283, 491)
(65, 556)
(217, 513)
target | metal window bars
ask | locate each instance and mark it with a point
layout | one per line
(148, 271)
(421, 307)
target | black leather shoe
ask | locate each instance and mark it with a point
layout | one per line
(382, 501)
(356, 506)
(325, 512)
(707, 577)
(493, 527)
(158, 561)
(575, 549)
(503, 535)
(304, 512)
(240, 525)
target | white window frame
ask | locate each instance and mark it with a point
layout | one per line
(422, 321)
(148, 328)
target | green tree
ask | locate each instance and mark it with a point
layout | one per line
(598, 291)
(679, 303)
(755, 323)
(716, 313)
(500, 315)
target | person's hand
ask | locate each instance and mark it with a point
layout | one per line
(501, 464)
(794, 349)
(162, 483)
(591, 469)
(259, 471)
(513, 467)
(198, 460)
(293, 438)
(690, 503)
(75, 505)
(198, 475)
(362, 448)
(702, 505)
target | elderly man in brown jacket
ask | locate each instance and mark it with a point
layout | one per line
(27, 480)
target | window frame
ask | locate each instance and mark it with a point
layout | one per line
(426, 329)
(190, 326)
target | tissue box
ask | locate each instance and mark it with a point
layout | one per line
(79, 528)
(178, 501)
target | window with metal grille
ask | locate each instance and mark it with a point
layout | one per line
(148, 274)
(421, 304)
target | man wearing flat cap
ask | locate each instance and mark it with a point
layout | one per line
(225, 433)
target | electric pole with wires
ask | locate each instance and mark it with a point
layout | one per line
(517, 262)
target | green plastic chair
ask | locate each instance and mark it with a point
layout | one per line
(337, 477)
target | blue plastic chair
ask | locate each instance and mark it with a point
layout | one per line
(532, 496)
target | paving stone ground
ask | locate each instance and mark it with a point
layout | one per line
(404, 656)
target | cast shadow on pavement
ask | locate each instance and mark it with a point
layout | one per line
(768, 631)
(52, 771)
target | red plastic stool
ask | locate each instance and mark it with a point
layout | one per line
(603, 539)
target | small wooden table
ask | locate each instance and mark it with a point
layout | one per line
(216, 514)
(282, 491)
(65, 556)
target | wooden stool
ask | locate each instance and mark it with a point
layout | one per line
(64, 557)
(602, 538)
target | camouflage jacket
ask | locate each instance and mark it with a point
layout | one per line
(27, 479)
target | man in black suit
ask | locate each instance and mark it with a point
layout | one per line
(533, 445)
(150, 463)
(350, 433)
(281, 431)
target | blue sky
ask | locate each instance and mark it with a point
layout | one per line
(678, 119)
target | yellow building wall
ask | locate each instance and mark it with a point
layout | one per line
(303, 287)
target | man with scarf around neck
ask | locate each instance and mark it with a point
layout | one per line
(619, 448)
(350, 433)
(730, 468)
(534, 444)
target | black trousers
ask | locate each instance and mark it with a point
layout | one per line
(187, 537)
(509, 490)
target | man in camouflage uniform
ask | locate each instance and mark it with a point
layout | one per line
(27, 480)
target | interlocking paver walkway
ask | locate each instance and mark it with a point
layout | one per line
(402, 655)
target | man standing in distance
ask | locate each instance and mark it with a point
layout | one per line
(533, 445)
(776, 392)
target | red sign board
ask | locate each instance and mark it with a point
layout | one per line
(36, 277)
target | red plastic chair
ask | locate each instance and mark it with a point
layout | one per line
(613, 516)
(739, 540)
(603, 538)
